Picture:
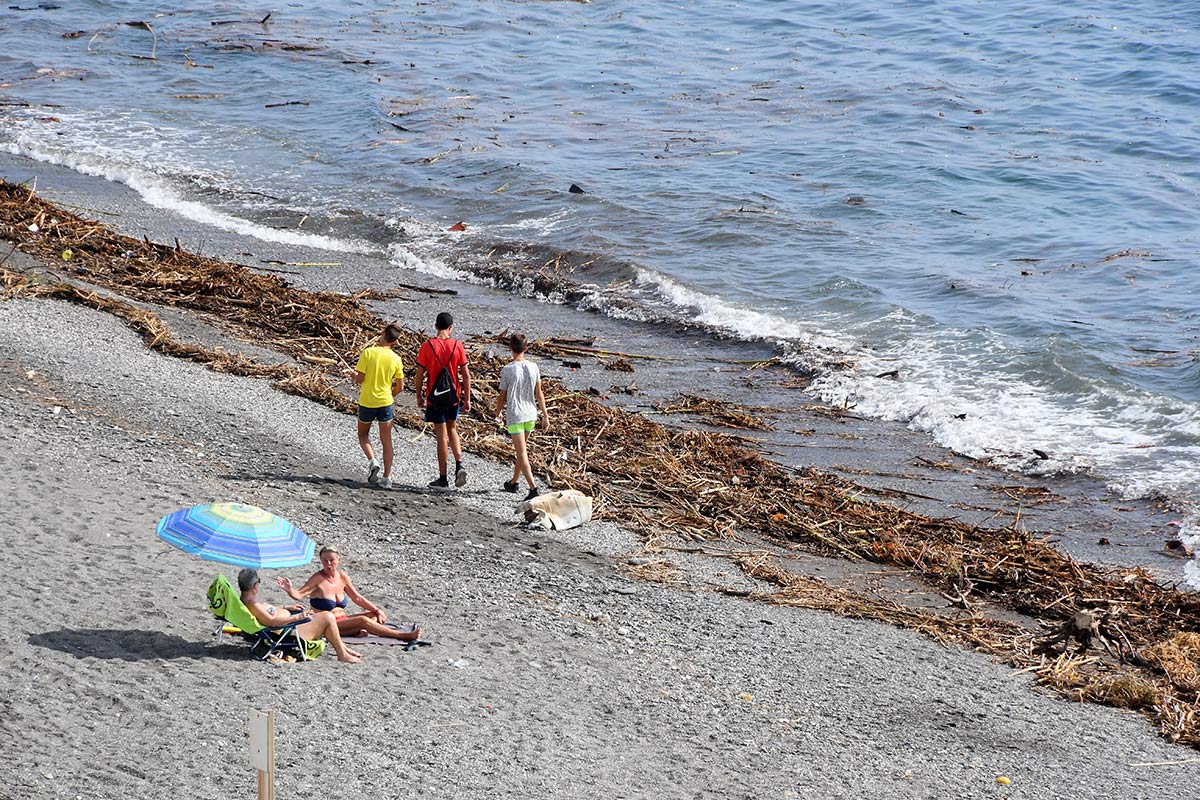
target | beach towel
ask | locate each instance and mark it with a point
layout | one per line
(561, 511)
(387, 640)
(373, 639)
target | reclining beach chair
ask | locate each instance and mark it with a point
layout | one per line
(227, 606)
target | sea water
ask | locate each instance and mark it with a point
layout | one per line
(996, 204)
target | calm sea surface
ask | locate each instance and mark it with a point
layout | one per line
(999, 201)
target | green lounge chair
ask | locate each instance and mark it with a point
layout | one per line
(227, 606)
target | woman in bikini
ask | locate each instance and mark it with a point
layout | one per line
(330, 589)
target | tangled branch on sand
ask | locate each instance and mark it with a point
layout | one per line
(665, 483)
(719, 413)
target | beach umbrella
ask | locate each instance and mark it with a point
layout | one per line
(233, 533)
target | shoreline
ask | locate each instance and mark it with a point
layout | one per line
(894, 463)
(604, 556)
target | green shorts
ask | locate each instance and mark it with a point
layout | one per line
(522, 427)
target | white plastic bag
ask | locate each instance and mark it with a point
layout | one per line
(561, 511)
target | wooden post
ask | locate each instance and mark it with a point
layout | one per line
(262, 751)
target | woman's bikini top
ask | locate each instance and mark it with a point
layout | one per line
(325, 604)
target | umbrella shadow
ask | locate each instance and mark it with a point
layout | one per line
(132, 645)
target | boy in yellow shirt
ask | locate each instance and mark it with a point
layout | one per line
(380, 376)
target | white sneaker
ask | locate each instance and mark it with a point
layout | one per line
(384, 483)
(373, 468)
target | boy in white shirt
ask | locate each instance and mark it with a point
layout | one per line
(519, 401)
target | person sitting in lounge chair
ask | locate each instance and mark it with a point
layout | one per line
(330, 590)
(322, 623)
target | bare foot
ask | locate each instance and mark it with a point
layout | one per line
(350, 658)
(404, 635)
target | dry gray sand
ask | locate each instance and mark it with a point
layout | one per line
(553, 673)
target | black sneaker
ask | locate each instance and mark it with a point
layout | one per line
(532, 493)
(510, 486)
(440, 483)
(460, 477)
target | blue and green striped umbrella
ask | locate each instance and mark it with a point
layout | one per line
(232, 533)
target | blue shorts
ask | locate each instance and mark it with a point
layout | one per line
(438, 415)
(381, 414)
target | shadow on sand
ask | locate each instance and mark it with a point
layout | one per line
(133, 645)
(348, 483)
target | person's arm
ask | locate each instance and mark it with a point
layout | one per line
(502, 396)
(301, 593)
(544, 422)
(362, 602)
(419, 380)
(501, 401)
(266, 615)
(358, 375)
(465, 372)
(398, 382)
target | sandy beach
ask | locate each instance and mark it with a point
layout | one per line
(553, 672)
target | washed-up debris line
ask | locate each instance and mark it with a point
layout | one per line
(677, 487)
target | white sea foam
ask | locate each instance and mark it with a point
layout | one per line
(988, 414)
(403, 256)
(539, 225)
(730, 318)
(1128, 438)
(1123, 435)
(1189, 532)
(158, 191)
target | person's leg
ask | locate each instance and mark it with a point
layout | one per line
(460, 474)
(455, 444)
(385, 437)
(439, 431)
(323, 623)
(514, 483)
(364, 440)
(522, 466)
(358, 624)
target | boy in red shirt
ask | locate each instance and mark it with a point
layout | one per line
(444, 394)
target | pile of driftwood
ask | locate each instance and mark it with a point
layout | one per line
(1113, 636)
